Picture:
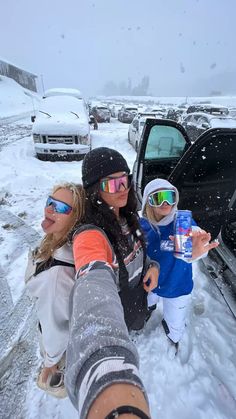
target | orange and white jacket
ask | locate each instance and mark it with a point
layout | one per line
(92, 245)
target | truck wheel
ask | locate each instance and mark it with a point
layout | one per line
(41, 157)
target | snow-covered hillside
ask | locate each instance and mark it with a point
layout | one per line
(15, 101)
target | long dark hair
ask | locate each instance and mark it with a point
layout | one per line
(99, 213)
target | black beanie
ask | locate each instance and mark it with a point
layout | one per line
(101, 162)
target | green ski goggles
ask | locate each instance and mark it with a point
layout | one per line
(157, 198)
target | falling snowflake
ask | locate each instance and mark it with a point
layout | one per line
(213, 65)
(182, 69)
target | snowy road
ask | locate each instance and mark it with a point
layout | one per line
(13, 132)
(198, 384)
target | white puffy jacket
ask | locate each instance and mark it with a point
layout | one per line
(52, 288)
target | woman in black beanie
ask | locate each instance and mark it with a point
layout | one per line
(109, 297)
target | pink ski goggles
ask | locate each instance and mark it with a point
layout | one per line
(113, 184)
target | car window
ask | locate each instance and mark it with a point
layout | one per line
(135, 124)
(196, 118)
(188, 119)
(203, 120)
(164, 141)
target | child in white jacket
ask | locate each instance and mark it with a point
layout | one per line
(50, 277)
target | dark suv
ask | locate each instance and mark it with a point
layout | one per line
(101, 113)
(204, 173)
(198, 122)
(127, 113)
(208, 108)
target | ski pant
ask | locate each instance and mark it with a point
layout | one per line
(175, 311)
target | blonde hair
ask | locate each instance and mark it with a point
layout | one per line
(149, 213)
(49, 243)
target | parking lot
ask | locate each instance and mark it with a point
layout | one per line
(206, 360)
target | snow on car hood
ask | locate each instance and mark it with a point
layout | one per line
(65, 124)
(61, 115)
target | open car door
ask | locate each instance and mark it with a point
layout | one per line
(204, 172)
(162, 144)
(206, 179)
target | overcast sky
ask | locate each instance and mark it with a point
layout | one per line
(184, 46)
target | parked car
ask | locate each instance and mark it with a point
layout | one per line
(208, 108)
(101, 113)
(127, 113)
(175, 114)
(198, 122)
(115, 109)
(136, 128)
(160, 111)
(232, 112)
(61, 129)
(203, 172)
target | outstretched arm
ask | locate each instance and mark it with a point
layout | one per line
(102, 362)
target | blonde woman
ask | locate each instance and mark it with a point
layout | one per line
(175, 284)
(50, 276)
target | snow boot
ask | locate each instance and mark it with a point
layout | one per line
(54, 385)
(174, 345)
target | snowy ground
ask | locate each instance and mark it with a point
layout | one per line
(199, 383)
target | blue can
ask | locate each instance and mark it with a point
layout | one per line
(183, 235)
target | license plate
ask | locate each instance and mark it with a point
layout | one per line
(62, 153)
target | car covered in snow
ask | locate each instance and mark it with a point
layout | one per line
(115, 109)
(158, 111)
(61, 129)
(232, 112)
(204, 173)
(198, 122)
(136, 128)
(208, 108)
(175, 113)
